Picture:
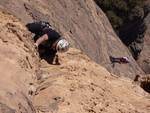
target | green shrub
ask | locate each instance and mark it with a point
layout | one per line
(119, 12)
(114, 19)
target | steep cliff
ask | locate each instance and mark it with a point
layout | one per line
(85, 25)
(77, 85)
(144, 59)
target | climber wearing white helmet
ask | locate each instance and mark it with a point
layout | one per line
(121, 60)
(62, 45)
(46, 36)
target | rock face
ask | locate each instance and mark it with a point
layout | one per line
(144, 59)
(16, 66)
(82, 86)
(83, 23)
(77, 85)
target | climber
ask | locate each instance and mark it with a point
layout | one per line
(121, 60)
(47, 37)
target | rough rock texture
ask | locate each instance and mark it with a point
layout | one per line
(77, 85)
(83, 23)
(144, 59)
(16, 67)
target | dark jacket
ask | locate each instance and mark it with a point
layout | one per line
(40, 28)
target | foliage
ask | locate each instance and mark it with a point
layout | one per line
(127, 19)
(120, 12)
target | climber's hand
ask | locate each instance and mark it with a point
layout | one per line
(36, 46)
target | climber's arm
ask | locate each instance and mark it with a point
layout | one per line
(41, 40)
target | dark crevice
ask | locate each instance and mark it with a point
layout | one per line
(144, 82)
(146, 86)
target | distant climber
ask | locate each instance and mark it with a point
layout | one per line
(47, 40)
(120, 60)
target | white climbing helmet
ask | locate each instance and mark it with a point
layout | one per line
(62, 45)
(126, 58)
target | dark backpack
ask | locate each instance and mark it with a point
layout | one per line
(37, 27)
